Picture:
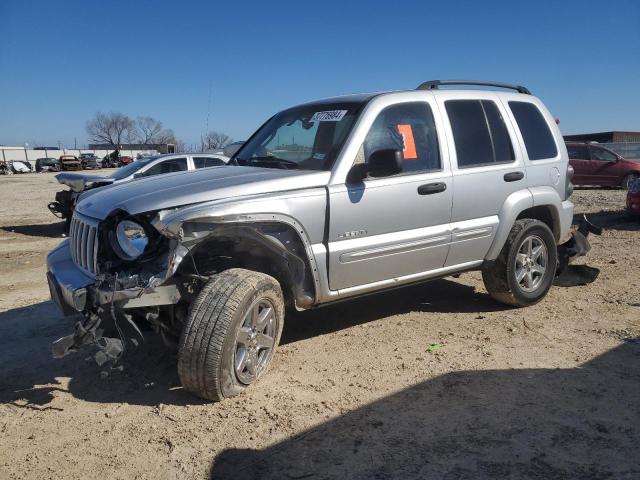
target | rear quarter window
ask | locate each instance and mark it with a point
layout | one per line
(537, 136)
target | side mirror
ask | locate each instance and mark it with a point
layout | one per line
(138, 175)
(381, 163)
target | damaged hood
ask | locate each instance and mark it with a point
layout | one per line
(78, 182)
(185, 188)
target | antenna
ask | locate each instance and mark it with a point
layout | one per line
(206, 132)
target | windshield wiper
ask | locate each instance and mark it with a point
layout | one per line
(269, 162)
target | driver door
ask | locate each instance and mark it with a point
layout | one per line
(395, 226)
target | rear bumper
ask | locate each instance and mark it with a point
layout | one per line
(566, 219)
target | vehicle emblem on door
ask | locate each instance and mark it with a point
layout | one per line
(354, 233)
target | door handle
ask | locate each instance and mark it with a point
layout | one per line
(431, 188)
(513, 176)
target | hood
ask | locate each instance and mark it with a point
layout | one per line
(196, 186)
(79, 182)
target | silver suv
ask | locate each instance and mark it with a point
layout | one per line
(326, 201)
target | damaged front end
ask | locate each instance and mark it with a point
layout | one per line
(127, 273)
(95, 274)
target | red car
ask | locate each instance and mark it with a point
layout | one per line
(633, 199)
(126, 160)
(597, 165)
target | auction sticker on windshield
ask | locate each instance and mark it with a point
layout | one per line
(329, 116)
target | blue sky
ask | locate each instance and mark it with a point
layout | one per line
(60, 62)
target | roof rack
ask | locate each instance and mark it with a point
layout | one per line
(435, 84)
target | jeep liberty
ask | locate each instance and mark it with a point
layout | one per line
(326, 201)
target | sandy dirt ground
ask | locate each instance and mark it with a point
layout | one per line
(547, 392)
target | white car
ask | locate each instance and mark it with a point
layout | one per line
(144, 167)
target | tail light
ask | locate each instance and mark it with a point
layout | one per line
(568, 190)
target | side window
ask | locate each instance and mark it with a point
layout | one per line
(479, 132)
(538, 139)
(204, 162)
(602, 155)
(408, 127)
(168, 166)
(577, 152)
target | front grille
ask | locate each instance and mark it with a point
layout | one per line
(83, 237)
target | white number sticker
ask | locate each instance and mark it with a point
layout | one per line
(329, 116)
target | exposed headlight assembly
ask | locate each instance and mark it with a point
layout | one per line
(131, 239)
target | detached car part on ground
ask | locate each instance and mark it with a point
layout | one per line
(381, 190)
(65, 200)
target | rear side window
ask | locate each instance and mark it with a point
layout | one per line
(479, 132)
(168, 166)
(536, 134)
(577, 152)
(204, 162)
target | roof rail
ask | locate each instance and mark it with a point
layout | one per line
(435, 84)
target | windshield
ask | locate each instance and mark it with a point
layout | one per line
(307, 137)
(127, 170)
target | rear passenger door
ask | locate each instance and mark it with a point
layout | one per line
(486, 170)
(579, 160)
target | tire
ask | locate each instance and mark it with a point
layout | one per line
(629, 179)
(501, 275)
(224, 327)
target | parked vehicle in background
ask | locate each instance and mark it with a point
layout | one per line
(70, 162)
(125, 160)
(326, 201)
(89, 161)
(65, 200)
(19, 166)
(111, 160)
(47, 164)
(594, 164)
(633, 198)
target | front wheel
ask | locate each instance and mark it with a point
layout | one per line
(231, 334)
(524, 271)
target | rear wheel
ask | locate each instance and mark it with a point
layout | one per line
(524, 271)
(231, 334)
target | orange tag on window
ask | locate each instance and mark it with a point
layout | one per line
(409, 152)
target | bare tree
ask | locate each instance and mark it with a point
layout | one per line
(214, 140)
(111, 128)
(146, 129)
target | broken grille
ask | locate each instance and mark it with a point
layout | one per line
(83, 237)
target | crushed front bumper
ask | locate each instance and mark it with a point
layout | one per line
(76, 292)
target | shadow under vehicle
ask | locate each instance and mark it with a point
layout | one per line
(562, 423)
